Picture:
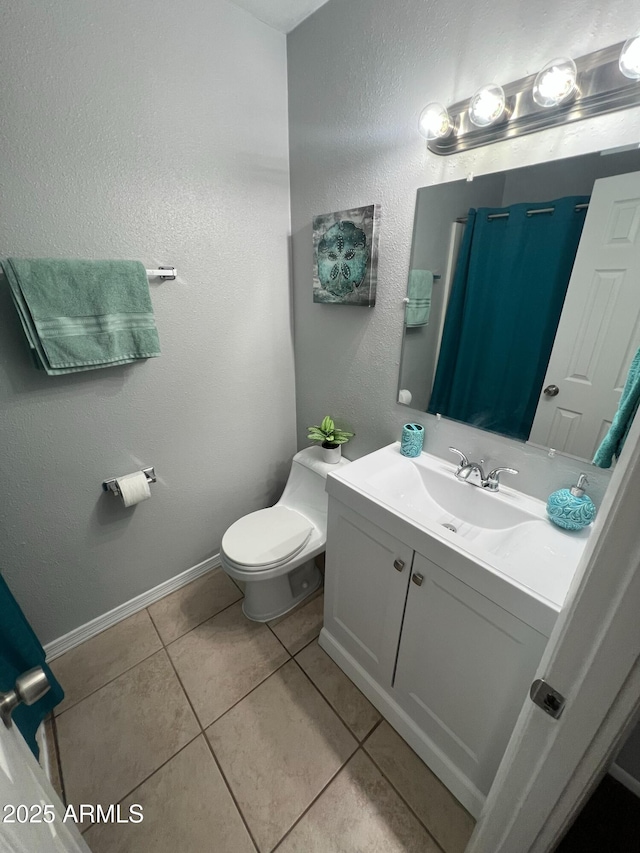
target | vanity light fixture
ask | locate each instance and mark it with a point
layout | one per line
(487, 105)
(435, 122)
(564, 91)
(556, 83)
(630, 58)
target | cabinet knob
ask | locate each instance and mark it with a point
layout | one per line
(417, 578)
(398, 565)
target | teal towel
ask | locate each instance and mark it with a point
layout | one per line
(82, 315)
(419, 293)
(614, 440)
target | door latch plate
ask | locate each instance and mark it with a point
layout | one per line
(545, 697)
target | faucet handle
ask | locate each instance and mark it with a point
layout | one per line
(493, 477)
(463, 458)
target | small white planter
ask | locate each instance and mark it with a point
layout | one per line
(331, 454)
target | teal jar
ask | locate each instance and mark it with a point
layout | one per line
(412, 440)
(571, 508)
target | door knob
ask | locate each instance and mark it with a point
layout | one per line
(417, 579)
(551, 390)
(29, 687)
(398, 565)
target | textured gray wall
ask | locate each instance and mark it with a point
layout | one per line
(156, 131)
(360, 72)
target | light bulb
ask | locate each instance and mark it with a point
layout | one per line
(630, 58)
(556, 82)
(435, 122)
(487, 105)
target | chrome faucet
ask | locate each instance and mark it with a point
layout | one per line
(493, 478)
(471, 472)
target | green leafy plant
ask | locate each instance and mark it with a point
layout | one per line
(328, 433)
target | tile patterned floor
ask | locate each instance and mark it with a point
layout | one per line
(237, 737)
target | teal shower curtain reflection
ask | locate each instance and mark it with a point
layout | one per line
(20, 650)
(507, 295)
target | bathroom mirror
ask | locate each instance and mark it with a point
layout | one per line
(522, 313)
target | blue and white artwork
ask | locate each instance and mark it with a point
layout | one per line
(345, 256)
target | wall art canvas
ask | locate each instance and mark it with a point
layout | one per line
(345, 256)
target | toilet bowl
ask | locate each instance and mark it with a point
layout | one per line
(272, 550)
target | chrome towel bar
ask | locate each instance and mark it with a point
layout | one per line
(165, 273)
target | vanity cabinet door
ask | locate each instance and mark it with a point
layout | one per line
(464, 670)
(367, 573)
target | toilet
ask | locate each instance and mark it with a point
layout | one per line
(272, 550)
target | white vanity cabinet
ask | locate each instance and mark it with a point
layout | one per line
(448, 667)
(366, 590)
(464, 668)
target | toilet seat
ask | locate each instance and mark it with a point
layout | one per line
(266, 538)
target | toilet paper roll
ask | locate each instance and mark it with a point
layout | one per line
(133, 488)
(404, 396)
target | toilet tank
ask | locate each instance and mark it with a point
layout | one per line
(305, 489)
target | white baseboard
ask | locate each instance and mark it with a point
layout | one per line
(461, 787)
(69, 641)
(630, 782)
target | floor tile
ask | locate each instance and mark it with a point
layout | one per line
(449, 823)
(296, 629)
(359, 811)
(278, 748)
(341, 693)
(187, 607)
(186, 806)
(278, 619)
(102, 658)
(112, 740)
(221, 660)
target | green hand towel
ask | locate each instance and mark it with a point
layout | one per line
(83, 315)
(419, 293)
(614, 440)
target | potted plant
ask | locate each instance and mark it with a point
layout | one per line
(331, 437)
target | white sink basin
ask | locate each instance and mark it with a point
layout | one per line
(506, 530)
(428, 485)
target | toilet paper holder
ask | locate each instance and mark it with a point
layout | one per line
(111, 485)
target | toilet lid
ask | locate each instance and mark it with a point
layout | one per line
(266, 536)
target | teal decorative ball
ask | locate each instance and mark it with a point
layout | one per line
(570, 511)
